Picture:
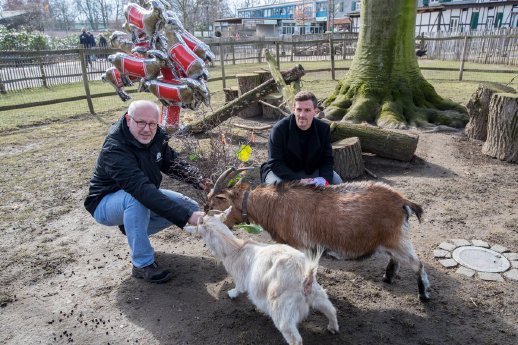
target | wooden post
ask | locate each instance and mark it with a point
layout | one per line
(347, 154)
(85, 80)
(464, 51)
(292, 49)
(42, 71)
(233, 54)
(2, 85)
(260, 48)
(332, 52)
(222, 62)
(277, 56)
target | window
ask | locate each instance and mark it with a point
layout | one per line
(474, 20)
(341, 6)
(454, 24)
(489, 23)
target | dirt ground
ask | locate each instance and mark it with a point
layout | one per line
(66, 279)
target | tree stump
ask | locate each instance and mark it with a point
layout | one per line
(478, 109)
(264, 75)
(231, 93)
(270, 113)
(502, 128)
(247, 82)
(348, 158)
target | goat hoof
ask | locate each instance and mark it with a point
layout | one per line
(388, 280)
(333, 330)
(424, 297)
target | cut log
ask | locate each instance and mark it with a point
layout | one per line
(288, 91)
(271, 113)
(382, 142)
(502, 128)
(478, 109)
(231, 93)
(264, 74)
(347, 154)
(232, 108)
(247, 82)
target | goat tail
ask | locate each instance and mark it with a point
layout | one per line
(313, 256)
(411, 207)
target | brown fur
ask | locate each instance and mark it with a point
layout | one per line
(353, 219)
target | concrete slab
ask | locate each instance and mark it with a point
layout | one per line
(481, 259)
(514, 264)
(459, 242)
(512, 274)
(480, 243)
(493, 277)
(448, 263)
(465, 271)
(439, 253)
(447, 246)
(499, 248)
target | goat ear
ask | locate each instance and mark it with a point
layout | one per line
(226, 213)
(242, 185)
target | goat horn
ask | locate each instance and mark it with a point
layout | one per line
(228, 174)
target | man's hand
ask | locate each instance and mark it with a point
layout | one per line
(196, 215)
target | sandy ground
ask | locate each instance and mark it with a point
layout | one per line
(66, 279)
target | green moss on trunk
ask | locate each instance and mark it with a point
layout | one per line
(384, 84)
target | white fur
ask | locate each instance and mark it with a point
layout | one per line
(280, 280)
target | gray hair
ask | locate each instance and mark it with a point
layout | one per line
(141, 104)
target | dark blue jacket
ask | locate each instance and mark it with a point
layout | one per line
(285, 154)
(124, 163)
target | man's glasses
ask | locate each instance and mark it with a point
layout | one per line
(143, 124)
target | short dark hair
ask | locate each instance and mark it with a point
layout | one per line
(302, 96)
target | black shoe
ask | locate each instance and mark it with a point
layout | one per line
(122, 229)
(152, 273)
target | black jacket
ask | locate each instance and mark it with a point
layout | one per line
(285, 154)
(126, 164)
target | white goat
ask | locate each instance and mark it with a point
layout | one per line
(280, 280)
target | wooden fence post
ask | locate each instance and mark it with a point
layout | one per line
(85, 81)
(277, 56)
(292, 49)
(42, 71)
(464, 50)
(332, 52)
(260, 46)
(222, 62)
(2, 86)
(233, 54)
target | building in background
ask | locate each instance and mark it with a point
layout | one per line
(317, 16)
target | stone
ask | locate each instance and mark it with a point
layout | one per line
(439, 253)
(459, 242)
(511, 256)
(499, 248)
(512, 274)
(493, 277)
(448, 263)
(514, 264)
(479, 243)
(465, 271)
(447, 246)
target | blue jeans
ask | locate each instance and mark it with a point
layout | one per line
(271, 178)
(139, 222)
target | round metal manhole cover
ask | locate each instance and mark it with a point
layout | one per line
(481, 259)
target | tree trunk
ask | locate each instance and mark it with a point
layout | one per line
(247, 82)
(231, 94)
(502, 128)
(384, 84)
(270, 113)
(478, 109)
(382, 142)
(232, 108)
(348, 158)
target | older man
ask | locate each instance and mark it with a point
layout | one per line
(299, 147)
(125, 188)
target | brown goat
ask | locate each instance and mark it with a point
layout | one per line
(353, 219)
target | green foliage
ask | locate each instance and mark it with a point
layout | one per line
(24, 40)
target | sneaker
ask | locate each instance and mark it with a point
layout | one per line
(152, 273)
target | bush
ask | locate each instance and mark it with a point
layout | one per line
(23, 40)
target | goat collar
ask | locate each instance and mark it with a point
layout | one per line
(244, 208)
